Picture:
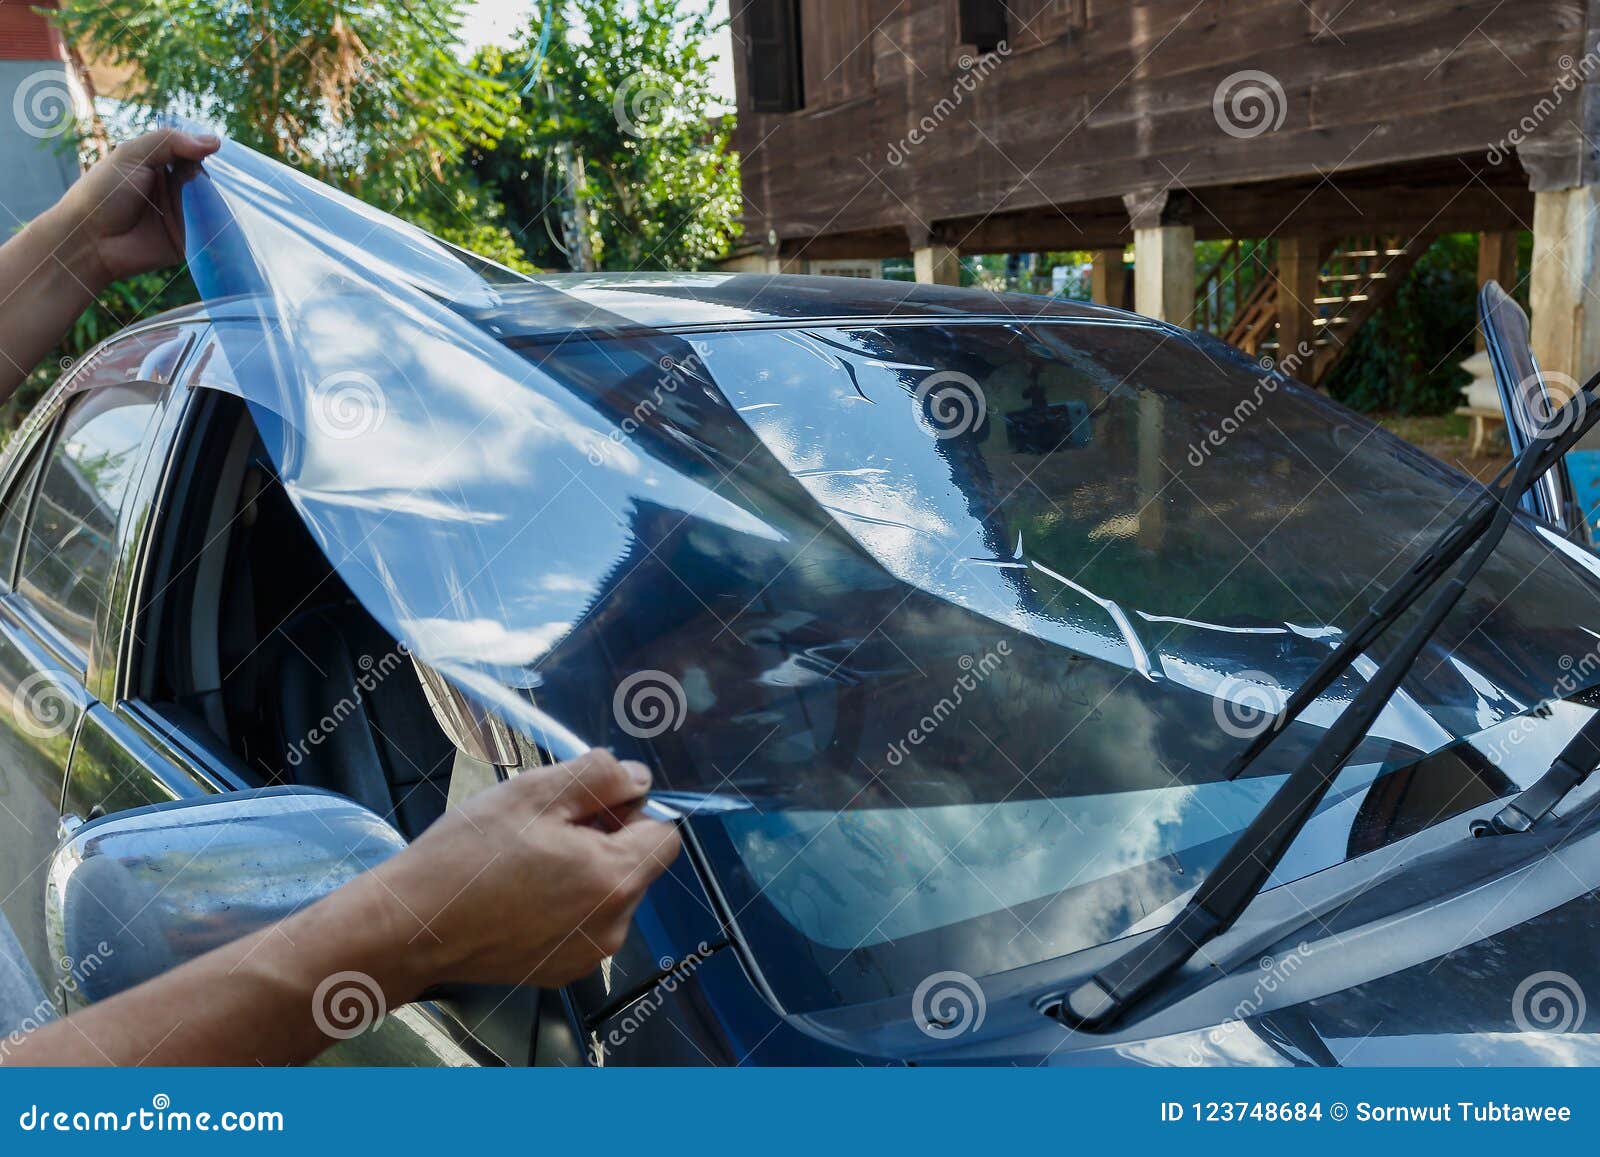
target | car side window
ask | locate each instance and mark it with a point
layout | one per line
(15, 509)
(70, 548)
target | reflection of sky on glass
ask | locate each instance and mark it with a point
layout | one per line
(893, 872)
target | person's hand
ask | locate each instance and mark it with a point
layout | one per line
(532, 882)
(122, 216)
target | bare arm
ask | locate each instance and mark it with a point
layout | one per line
(534, 882)
(119, 219)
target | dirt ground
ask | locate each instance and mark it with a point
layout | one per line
(1446, 438)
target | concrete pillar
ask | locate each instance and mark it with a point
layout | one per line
(936, 264)
(1299, 263)
(785, 265)
(1563, 290)
(1163, 272)
(1108, 279)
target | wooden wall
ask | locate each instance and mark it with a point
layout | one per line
(1100, 98)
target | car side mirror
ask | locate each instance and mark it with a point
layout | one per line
(135, 894)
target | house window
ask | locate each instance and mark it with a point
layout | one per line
(772, 56)
(982, 23)
(837, 51)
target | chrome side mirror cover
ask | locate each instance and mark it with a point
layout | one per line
(137, 893)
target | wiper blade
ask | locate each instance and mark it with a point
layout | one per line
(1247, 865)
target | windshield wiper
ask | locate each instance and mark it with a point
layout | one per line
(1576, 763)
(1247, 865)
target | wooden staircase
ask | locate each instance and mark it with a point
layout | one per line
(1237, 298)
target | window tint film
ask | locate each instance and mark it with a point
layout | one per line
(70, 549)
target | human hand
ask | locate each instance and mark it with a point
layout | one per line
(532, 882)
(122, 217)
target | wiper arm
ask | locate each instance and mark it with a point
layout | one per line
(1247, 865)
(1576, 763)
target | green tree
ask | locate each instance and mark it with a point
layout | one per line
(368, 97)
(615, 117)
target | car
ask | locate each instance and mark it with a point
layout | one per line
(938, 614)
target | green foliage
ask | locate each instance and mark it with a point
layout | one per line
(1406, 358)
(625, 87)
(368, 97)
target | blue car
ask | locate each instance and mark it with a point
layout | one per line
(1034, 683)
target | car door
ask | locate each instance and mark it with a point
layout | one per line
(60, 544)
(130, 753)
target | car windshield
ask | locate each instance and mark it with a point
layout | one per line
(974, 702)
(950, 623)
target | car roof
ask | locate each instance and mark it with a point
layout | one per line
(716, 300)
